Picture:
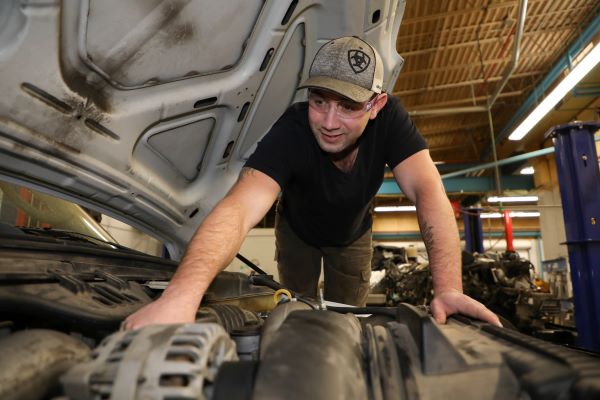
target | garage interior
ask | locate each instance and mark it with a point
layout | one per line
(472, 73)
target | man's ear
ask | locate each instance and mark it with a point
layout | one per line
(378, 105)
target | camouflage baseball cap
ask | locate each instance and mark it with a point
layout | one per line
(348, 66)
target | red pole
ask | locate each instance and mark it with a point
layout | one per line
(509, 231)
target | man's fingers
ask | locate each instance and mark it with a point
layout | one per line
(487, 315)
(440, 318)
(438, 311)
(127, 324)
(481, 312)
(451, 303)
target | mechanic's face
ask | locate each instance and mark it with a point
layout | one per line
(338, 122)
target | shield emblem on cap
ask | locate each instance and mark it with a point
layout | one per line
(358, 60)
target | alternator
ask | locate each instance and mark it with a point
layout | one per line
(155, 362)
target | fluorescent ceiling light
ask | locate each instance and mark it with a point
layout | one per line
(576, 74)
(527, 171)
(513, 214)
(394, 208)
(512, 199)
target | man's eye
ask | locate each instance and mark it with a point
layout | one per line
(318, 101)
(349, 107)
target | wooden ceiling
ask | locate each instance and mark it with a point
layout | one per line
(456, 54)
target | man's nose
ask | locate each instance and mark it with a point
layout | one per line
(331, 118)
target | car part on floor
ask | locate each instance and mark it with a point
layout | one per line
(501, 281)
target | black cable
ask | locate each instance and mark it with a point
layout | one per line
(308, 303)
(250, 264)
(265, 280)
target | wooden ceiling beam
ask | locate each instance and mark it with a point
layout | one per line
(456, 102)
(474, 65)
(439, 131)
(477, 10)
(464, 83)
(449, 147)
(471, 43)
(457, 31)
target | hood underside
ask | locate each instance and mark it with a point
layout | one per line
(146, 110)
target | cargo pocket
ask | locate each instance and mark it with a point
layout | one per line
(363, 289)
(365, 275)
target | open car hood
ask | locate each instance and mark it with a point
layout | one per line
(147, 110)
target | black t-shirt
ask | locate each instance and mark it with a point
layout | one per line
(323, 205)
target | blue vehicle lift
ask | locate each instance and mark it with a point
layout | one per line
(579, 180)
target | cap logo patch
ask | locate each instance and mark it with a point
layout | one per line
(358, 60)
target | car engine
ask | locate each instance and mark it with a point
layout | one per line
(503, 282)
(60, 314)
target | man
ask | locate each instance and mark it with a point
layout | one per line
(327, 157)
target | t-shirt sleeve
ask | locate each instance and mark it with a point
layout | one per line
(403, 137)
(272, 152)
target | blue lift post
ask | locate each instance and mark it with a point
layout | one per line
(473, 230)
(579, 180)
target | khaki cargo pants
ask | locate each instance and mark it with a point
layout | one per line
(347, 270)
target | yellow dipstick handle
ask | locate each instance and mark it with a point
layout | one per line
(281, 292)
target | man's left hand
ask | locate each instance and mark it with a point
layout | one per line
(455, 302)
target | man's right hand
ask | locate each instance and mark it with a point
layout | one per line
(212, 247)
(161, 311)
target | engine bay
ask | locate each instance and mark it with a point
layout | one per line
(60, 313)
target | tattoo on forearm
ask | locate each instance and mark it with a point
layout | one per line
(427, 232)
